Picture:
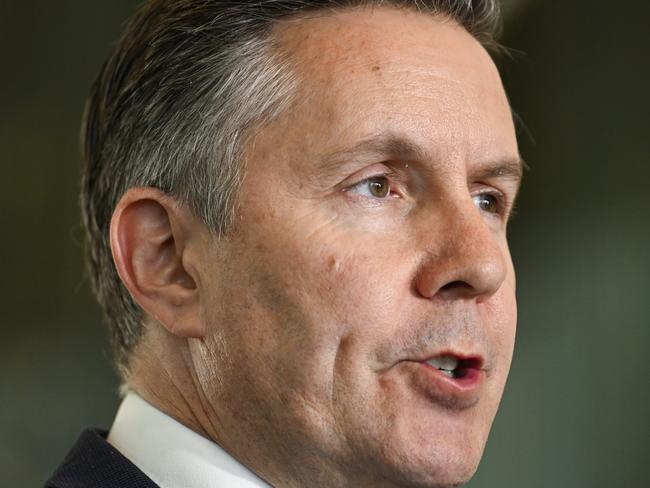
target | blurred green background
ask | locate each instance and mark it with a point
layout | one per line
(575, 413)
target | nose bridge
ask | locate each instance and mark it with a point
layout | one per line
(464, 257)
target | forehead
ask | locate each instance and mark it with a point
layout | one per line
(366, 71)
(361, 34)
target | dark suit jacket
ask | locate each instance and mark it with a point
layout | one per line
(93, 462)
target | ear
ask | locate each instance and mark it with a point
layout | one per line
(154, 242)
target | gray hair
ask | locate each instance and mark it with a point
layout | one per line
(175, 104)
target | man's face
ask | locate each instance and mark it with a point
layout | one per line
(370, 250)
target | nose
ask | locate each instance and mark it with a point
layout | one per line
(465, 259)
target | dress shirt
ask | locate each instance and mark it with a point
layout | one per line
(173, 455)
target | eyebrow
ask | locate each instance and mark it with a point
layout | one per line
(385, 144)
(394, 145)
(508, 168)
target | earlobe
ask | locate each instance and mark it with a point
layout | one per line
(151, 240)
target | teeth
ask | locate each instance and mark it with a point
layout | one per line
(444, 363)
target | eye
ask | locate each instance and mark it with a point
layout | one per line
(375, 187)
(488, 203)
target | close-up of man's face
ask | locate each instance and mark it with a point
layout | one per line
(324, 243)
(362, 312)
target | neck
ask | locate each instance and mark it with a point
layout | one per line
(162, 372)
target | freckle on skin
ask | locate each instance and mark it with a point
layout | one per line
(375, 68)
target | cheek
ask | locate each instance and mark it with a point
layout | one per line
(501, 315)
(307, 285)
(501, 309)
(506, 313)
(327, 268)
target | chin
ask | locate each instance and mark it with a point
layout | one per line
(416, 460)
(453, 473)
(437, 472)
(441, 476)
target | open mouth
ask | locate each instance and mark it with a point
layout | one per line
(453, 366)
(451, 380)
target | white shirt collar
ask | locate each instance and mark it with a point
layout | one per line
(171, 454)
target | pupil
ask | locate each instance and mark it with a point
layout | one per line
(488, 203)
(379, 187)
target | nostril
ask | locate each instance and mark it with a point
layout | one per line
(455, 285)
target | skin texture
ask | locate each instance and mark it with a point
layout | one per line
(297, 342)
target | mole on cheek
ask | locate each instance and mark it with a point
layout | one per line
(375, 68)
(333, 264)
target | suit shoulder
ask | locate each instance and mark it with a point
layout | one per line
(93, 462)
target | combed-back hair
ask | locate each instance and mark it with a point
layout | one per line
(174, 104)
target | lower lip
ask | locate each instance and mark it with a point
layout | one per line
(451, 393)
